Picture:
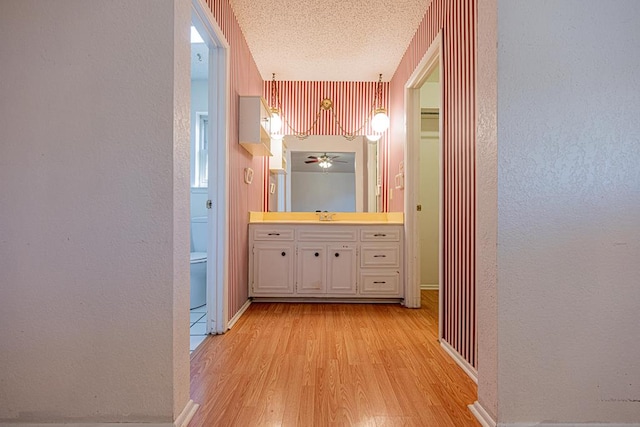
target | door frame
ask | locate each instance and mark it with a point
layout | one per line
(431, 59)
(218, 215)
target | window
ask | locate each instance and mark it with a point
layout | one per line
(202, 150)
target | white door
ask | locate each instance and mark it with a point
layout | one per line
(273, 264)
(341, 269)
(311, 269)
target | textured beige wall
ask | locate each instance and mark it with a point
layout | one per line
(94, 211)
(487, 208)
(568, 211)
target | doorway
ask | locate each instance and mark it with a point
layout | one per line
(423, 187)
(210, 158)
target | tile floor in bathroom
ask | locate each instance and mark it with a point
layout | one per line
(198, 330)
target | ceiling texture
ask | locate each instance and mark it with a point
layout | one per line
(330, 40)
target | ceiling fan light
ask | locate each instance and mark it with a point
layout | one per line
(380, 121)
(324, 164)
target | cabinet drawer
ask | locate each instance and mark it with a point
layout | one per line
(264, 233)
(380, 256)
(380, 283)
(326, 234)
(380, 234)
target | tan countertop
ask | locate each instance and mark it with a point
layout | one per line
(356, 218)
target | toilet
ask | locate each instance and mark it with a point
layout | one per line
(198, 261)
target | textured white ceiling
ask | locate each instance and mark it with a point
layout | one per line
(330, 40)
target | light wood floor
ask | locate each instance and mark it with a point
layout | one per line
(330, 365)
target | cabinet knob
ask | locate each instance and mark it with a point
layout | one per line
(337, 254)
(317, 254)
(284, 253)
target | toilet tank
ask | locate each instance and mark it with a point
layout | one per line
(199, 234)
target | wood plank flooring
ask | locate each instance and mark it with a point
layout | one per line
(331, 365)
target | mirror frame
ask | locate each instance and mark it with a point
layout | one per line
(334, 144)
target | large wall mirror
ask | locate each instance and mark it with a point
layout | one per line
(349, 184)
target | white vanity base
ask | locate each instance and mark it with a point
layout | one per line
(331, 261)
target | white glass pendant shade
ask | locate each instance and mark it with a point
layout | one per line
(380, 121)
(276, 121)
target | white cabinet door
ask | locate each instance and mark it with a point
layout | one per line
(341, 269)
(311, 272)
(273, 264)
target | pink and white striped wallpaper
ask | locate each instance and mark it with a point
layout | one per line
(353, 104)
(245, 80)
(456, 19)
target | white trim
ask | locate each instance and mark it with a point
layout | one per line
(429, 287)
(547, 424)
(168, 424)
(431, 60)
(187, 414)
(240, 312)
(466, 367)
(429, 134)
(218, 216)
(481, 415)
(330, 143)
(181, 421)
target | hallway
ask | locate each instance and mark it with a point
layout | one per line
(330, 364)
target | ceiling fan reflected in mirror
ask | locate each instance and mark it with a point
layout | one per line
(324, 161)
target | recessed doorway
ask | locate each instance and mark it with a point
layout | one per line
(209, 158)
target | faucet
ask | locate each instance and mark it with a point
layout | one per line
(325, 216)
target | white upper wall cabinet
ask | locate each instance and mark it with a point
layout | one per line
(255, 125)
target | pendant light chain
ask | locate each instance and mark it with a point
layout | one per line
(325, 105)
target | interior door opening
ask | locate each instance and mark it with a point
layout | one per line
(423, 188)
(209, 156)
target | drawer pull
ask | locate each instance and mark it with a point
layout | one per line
(337, 254)
(380, 283)
(273, 234)
(283, 253)
(379, 256)
(316, 254)
(379, 235)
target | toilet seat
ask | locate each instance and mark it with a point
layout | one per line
(198, 257)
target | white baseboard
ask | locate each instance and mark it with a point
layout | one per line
(187, 413)
(481, 415)
(466, 367)
(182, 421)
(429, 287)
(87, 425)
(240, 312)
(546, 424)
(486, 420)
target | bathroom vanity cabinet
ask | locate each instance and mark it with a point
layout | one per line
(325, 260)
